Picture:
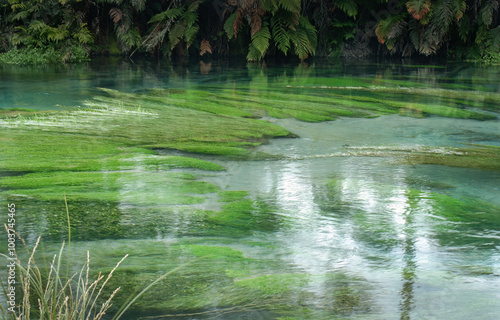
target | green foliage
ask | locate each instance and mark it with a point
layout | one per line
(31, 56)
(50, 26)
(268, 27)
(350, 7)
(276, 22)
(179, 24)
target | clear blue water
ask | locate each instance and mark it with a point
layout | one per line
(335, 209)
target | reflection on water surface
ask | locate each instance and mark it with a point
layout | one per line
(355, 218)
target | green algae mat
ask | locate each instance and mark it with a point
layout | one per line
(271, 193)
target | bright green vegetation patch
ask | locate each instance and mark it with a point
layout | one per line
(276, 284)
(385, 97)
(219, 278)
(483, 157)
(45, 151)
(169, 162)
(469, 210)
(137, 188)
(477, 157)
(229, 196)
(90, 219)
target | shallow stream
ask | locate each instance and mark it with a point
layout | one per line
(343, 221)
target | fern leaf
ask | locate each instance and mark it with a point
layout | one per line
(486, 13)
(130, 38)
(116, 15)
(57, 34)
(238, 21)
(253, 53)
(160, 17)
(190, 34)
(389, 28)
(84, 36)
(311, 33)
(174, 13)
(228, 25)
(418, 8)
(290, 5)
(414, 33)
(205, 47)
(21, 15)
(494, 38)
(256, 23)
(464, 28)
(458, 7)
(261, 40)
(176, 34)
(280, 34)
(304, 39)
(37, 26)
(348, 6)
(194, 6)
(190, 17)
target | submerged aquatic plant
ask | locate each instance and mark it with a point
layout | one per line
(55, 296)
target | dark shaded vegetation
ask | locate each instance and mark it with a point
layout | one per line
(44, 31)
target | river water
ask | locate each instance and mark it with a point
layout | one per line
(349, 230)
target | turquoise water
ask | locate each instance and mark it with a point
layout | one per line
(343, 226)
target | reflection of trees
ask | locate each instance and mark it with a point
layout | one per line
(381, 214)
(409, 259)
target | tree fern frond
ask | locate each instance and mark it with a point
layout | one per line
(458, 8)
(256, 23)
(261, 39)
(486, 12)
(348, 6)
(84, 36)
(237, 22)
(299, 39)
(494, 38)
(155, 38)
(190, 34)
(290, 5)
(464, 27)
(37, 26)
(193, 6)
(190, 17)
(57, 34)
(311, 33)
(205, 47)
(280, 34)
(414, 33)
(160, 17)
(253, 53)
(174, 13)
(21, 15)
(228, 25)
(116, 15)
(418, 8)
(176, 34)
(130, 38)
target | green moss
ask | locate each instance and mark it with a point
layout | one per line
(205, 148)
(484, 157)
(129, 187)
(49, 151)
(477, 157)
(229, 196)
(214, 252)
(276, 284)
(465, 210)
(182, 162)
